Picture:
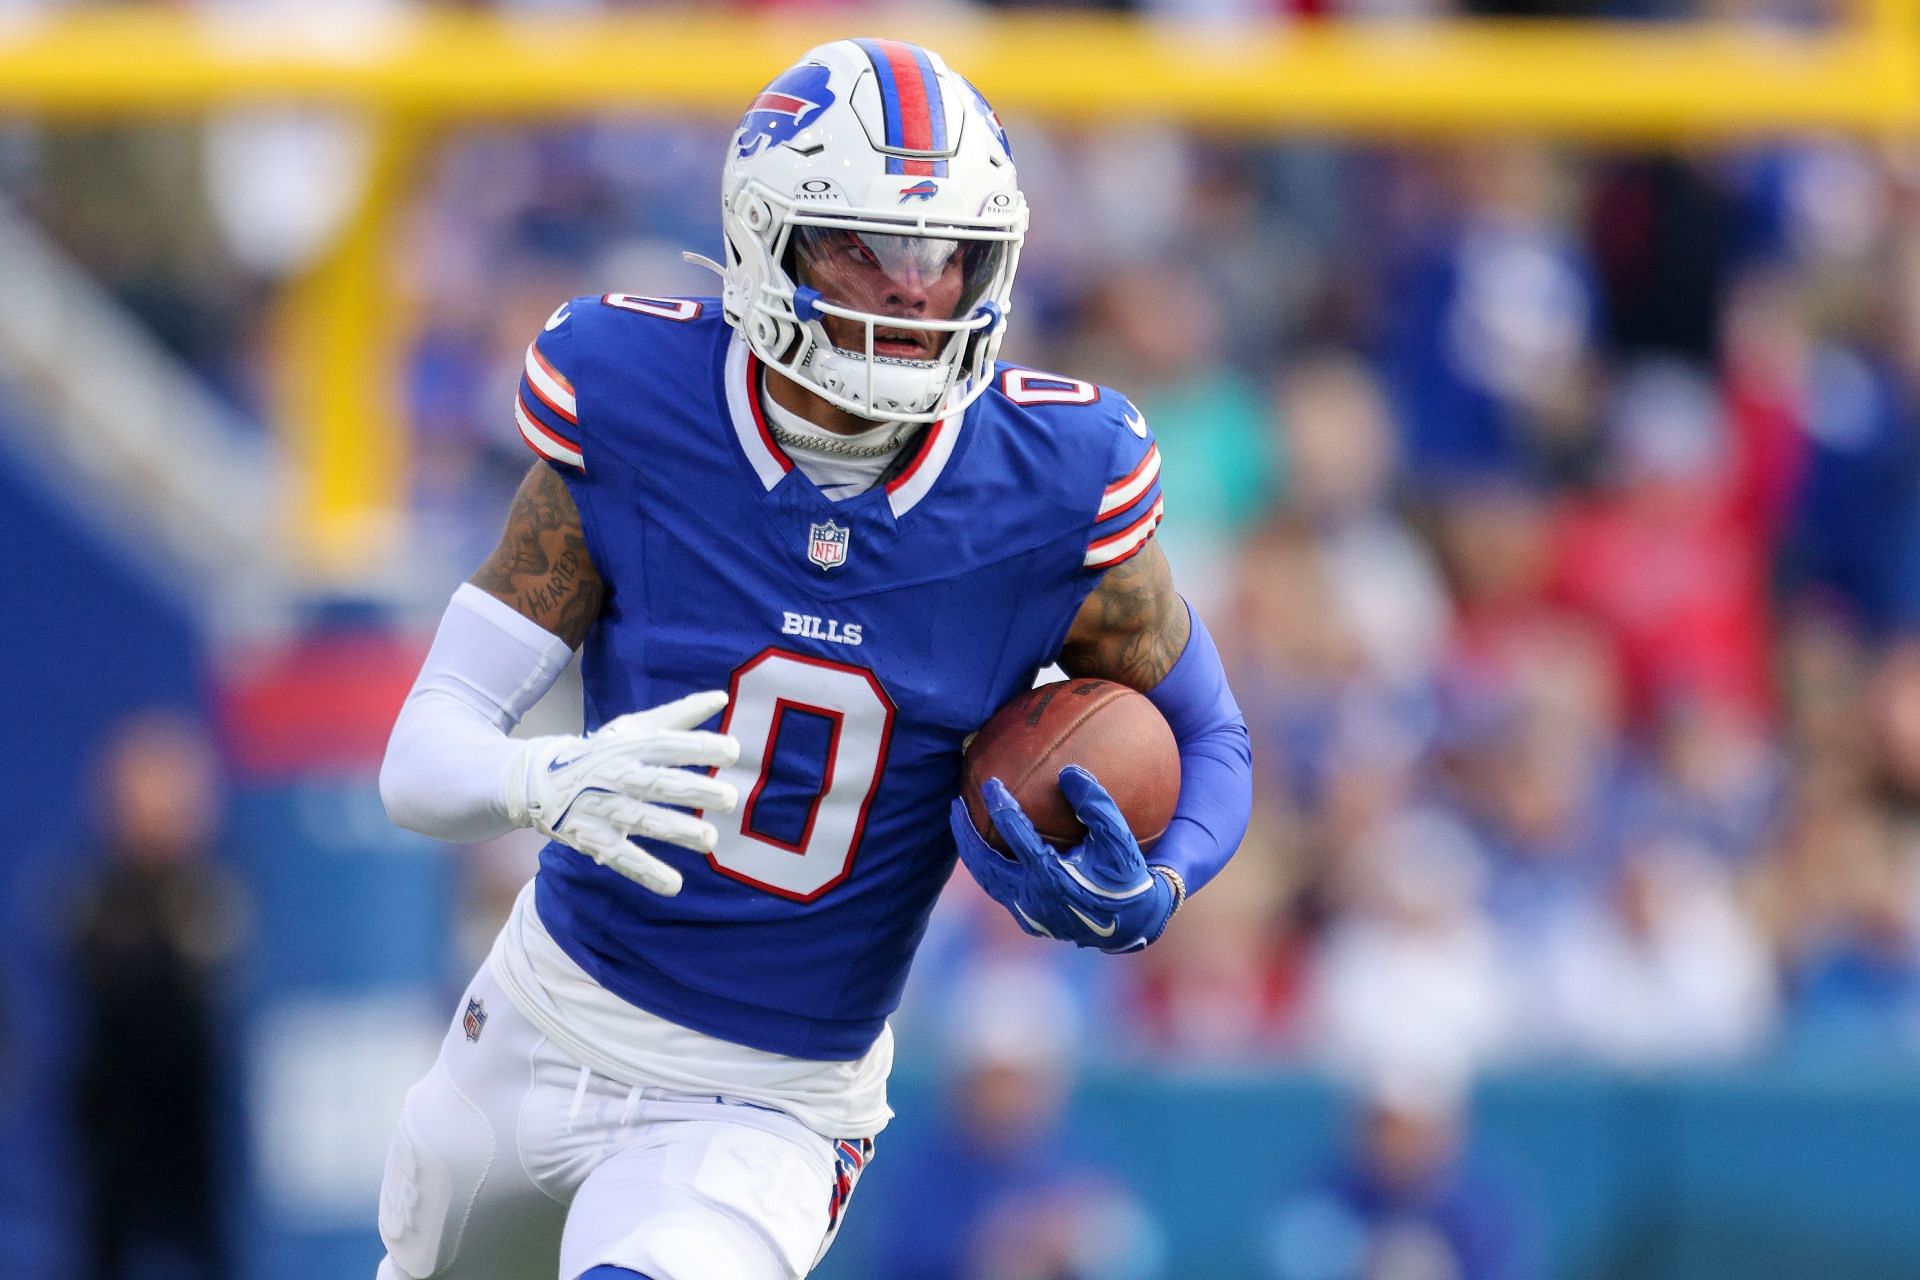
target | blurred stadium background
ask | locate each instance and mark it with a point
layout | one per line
(1539, 384)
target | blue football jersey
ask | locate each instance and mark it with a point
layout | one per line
(861, 640)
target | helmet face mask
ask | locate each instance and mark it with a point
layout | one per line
(874, 293)
(873, 224)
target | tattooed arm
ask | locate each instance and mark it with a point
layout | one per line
(451, 770)
(1137, 630)
(541, 568)
(1107, 892)
(1134, 626)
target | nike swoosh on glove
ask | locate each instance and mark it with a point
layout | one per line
(594, 793)
(1101, 893)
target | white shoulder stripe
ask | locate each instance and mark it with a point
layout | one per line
(545, 443)
(548, 386)
(1128, 492)
(740, 395)
(939, 449)
(1127, 541)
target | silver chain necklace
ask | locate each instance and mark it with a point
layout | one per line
(798, 440)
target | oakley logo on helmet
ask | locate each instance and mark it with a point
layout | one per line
(923, 190)
(784, 108)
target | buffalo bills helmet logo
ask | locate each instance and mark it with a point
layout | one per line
(784, 108)
(922, 190)
(993, 119)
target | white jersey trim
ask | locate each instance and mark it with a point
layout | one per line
(1126, 491)
(766, 463)
(770, 464)
(558, 396)
(1110, 551)
(904, 494)
(546, 443)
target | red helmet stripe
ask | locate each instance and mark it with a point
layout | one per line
(916, 116)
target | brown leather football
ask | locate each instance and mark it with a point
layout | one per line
(1106, 728)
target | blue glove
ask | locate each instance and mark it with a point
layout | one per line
(1099, 894)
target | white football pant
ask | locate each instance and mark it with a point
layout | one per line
(511, 1162)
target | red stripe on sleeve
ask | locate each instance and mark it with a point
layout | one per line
(548, 404)
(553, 436)
(1146, 460)
(547, 368)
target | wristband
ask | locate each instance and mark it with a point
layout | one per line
(1174, 881)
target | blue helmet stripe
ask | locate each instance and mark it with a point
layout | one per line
(889, 97)
(936, 109)
(890, 112)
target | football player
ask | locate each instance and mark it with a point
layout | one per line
(807, 536)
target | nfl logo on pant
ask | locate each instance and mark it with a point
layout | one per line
(827, 544)
(475, 1020)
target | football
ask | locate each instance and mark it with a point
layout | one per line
(1106, 728)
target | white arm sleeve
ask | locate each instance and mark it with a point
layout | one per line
(449, 760)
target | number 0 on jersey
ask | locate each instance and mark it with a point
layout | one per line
(813, 743)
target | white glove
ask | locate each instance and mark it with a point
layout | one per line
(592, 793)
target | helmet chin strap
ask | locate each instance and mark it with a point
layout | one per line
(787, 375)
(875, 387)
(918, 387)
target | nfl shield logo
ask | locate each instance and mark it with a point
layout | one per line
(827, 544)
(476, 1019)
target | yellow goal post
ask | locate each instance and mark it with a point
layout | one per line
(411, 74)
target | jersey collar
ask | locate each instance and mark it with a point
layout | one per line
(771, 464)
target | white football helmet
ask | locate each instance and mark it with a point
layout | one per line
(870, 188)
